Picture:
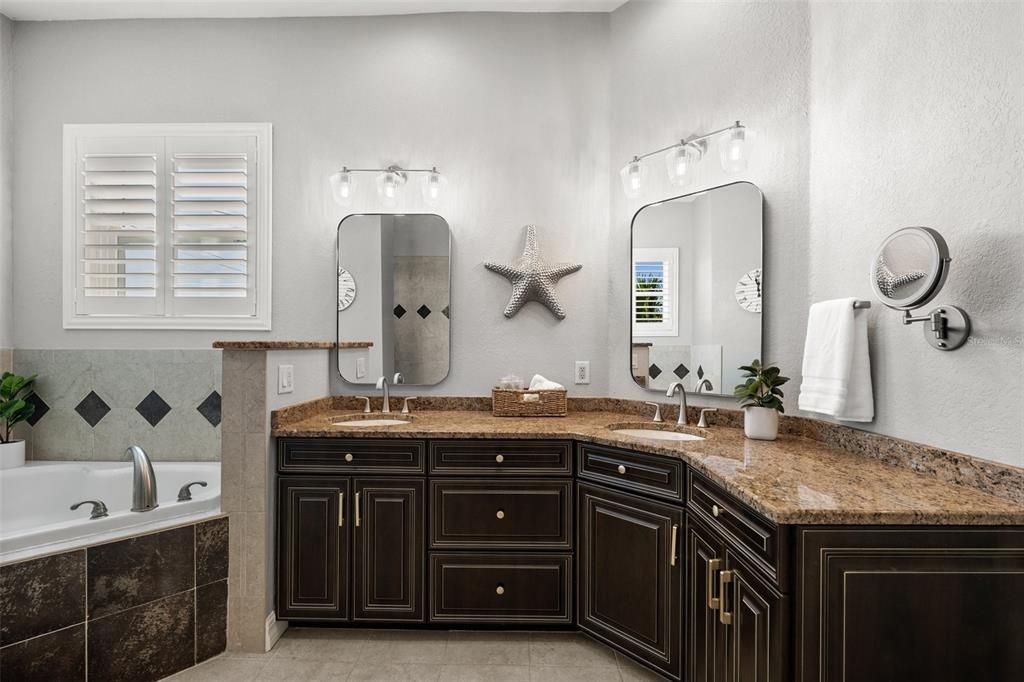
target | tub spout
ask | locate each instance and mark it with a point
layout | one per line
(143, 480)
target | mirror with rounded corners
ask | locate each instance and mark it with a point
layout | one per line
(697, 289)
(394, 294)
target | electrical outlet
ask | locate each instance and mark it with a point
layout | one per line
(582, 374)
(285, 379)
(360, 368)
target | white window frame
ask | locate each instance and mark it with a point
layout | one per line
(669, 256)
(262, 232)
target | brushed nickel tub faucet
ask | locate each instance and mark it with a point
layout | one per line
(143, 480)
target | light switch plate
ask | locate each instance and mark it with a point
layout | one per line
(285, 379)
(360, 368)
(582, 373)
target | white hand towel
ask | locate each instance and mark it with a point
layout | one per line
(837, 369)
(539, 383)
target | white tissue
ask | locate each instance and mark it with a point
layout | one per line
(539, 383)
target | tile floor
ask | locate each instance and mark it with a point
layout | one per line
(321, 655)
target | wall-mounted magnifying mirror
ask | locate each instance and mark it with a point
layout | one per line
(394, 293)
(907, 272)
(697, 289)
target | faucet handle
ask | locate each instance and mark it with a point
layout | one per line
(703, 422)
(657, 411)
(405, 404)
(99, 510)
(185, 494)
(366, 407)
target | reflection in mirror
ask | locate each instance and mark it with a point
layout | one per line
(394, 292)
(910, 267)
(697, 289)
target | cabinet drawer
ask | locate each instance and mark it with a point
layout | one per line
(501, 514)
(350, 455)
(501, 588)
(649, 474)
(502, 457)
(748, 531)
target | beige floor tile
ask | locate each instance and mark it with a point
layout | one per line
(322, 644)
(299, 670)
(485, 673)
(573, 674)
(222, 669)
(488, 648)
(569, 650)
(634, 672)
(395, 672)
(406, 646)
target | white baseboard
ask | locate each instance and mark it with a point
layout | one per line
(275, 628)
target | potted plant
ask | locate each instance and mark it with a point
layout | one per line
(761, 400)
(14, 408)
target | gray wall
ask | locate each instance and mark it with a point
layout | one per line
(6, 157)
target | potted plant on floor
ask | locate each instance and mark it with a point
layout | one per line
(761, 400)
(14, 408)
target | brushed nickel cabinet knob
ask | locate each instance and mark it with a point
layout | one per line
(348, 457)
(622, 469)
(500, 589)
(500, 514)
(715, 510)
(499, 459)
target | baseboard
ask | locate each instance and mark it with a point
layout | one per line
(275, 628)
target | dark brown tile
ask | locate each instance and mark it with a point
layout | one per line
(211, 619)
(211, 551)
(59, 655)
(41, 595)
(148, 642)
(130, 572)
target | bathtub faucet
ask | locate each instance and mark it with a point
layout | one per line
(143, 480)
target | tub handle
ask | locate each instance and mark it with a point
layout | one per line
(99, 510)
(185, 494)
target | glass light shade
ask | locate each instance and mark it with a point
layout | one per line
(633, 175)
(388, 185)
(734, 147)
(343, 187)
(681, 163)
(433, 186)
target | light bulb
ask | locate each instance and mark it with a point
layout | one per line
(681, 163)
(343, 186)
(734, 149)
(633, 174)
(433, 186)
(388, 184)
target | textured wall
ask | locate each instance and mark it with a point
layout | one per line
(6, 162)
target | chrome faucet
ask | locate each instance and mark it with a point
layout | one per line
(382, 385)
(677, 386)
(143, 480)
(704, 383)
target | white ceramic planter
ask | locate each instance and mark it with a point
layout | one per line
(761, 423)
(12, 455)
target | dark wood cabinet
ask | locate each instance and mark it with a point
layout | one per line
(705, 648)
(753, 617)
(630, 590)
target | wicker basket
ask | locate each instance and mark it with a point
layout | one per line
(513, 403)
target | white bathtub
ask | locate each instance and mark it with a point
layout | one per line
(35, 518)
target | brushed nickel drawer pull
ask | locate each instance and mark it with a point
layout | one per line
(500, 514)
(715, 511)
(341, 509)
(348, 457)
(499, 459)
(713, 566)
(724, 615)
(357, 510)
(675, 542)
(500, 589)
(622, 469)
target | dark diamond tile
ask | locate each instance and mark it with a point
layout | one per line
(654, 371)
(153, 408)
(423, 311)
(700, 371)
(211, 551)
(59, 655)
(41, 595)
(211, 619)
(210, 408)
(148, 642)
(681, 371)
(399, 311)
(130, 572)
(92, 409)
(41, 409)
(446, 312)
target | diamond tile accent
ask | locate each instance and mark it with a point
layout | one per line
(423, 311)
(210, 408)
(92, 409)
(153, 408)
(41, 408)
(681, 371)
(654, 371)
(700, 371)
(446, 312)
(399, 311)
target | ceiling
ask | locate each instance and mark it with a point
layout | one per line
(48, 10)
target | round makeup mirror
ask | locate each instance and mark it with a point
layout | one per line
(910, 267)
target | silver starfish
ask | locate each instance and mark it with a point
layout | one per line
(889, 282)
(532, 279)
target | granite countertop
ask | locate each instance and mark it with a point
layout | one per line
(280, 345)
(792, 480)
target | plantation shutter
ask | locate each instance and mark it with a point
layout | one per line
(655, 287)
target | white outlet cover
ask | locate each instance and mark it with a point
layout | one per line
(285, 379)
(360, 368)
(582, 373)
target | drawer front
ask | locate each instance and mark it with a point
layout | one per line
(501, 457)
(748, 531)
(634, 471)
(350, 455)
(501, 588)
(501, 514)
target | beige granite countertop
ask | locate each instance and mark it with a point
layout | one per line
(275, 345)
(792, 480)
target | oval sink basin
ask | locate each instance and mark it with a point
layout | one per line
(653, 434)
(372, 422)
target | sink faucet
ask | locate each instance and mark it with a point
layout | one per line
(382, 385)
(143, 480)
(677, 386)
(704, 383)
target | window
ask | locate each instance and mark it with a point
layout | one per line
(655, 277)
(167, 226)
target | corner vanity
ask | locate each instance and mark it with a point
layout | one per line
(704, 560)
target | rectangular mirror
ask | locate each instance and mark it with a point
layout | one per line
(697, 289)
(394, 293)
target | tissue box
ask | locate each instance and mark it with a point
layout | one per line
(512, 403)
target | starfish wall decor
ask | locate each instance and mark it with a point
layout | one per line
(532, 279)
(889, 282)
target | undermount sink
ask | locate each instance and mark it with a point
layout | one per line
(372, 422)
(663, 433)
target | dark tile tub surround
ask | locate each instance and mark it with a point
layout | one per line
(152, 605)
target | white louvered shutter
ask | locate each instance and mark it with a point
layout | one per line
(655, 291)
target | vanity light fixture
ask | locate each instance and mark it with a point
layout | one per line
(684, 156)
(389, 183)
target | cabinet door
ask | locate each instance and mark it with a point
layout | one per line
(752, 613)
(313, 548)
(389, 555)
(631, 574)
(705, 560)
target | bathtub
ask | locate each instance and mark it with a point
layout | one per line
(35, 518)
